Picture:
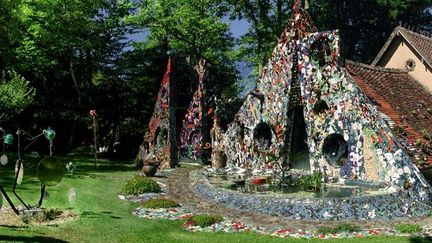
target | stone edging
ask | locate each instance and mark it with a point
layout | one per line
(380, 207)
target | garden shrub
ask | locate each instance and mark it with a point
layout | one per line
(139, 185)
(160, 203)
(338, 229)
(204, 220)
(44, 215)
(311, 182)
(408, 228)
(52, 213)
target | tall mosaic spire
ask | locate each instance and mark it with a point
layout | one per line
(192, 143)
(160, 140)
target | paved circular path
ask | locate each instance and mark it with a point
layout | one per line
(179, 189)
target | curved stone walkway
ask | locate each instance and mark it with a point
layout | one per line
(179, 189)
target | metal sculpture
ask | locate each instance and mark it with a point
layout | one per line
(50, 171)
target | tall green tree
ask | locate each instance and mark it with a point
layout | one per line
(9, 31)
(62, 48)
(192, 29)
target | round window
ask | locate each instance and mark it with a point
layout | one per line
(410, 65)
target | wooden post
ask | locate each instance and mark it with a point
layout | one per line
(95, 141)
(94, 114)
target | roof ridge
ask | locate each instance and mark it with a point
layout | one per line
(376, 68)
(414, 33)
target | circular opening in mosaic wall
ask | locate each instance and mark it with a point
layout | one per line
(320, 107)
(335, 149)
(410, 65)
(263, 136)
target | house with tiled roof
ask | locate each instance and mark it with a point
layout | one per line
(399, 83)
(410, 51)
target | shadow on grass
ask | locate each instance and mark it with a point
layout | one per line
(88, 214)
(29, 239)
(107, 168)
(13, 227)
(421, 239)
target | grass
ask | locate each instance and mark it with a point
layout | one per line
(105, 218)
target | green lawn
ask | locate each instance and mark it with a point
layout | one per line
(105, 218)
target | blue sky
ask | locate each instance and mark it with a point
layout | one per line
(238, 28)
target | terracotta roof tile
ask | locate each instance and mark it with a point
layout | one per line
(400, 97)
(422, 43)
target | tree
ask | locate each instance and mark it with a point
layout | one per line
(9, 31)
(15, 95)
(193, 29)
(63, 46)
(365, 25)
(267, 18)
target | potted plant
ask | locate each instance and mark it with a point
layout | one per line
(150, 167)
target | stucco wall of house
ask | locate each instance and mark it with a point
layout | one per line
(397, 55)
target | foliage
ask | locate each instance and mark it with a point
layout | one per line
(408, 228)
(190, 30)
(15, 95)
(339, 229)
(52, 213)
(44, 215)
(366, 25)
(160, 203)
(311, 182)
(267, 20)
(139, 185)
(204, 220)
(61, 48)
(194, 27)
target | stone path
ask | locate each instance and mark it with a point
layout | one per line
(179, 188)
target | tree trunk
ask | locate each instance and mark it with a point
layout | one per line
(72, 72)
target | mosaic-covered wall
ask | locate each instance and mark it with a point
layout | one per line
(160, 140)
(304, 101)
(191, 135)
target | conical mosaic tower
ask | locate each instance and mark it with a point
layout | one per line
(307, 113)
(160, 141)
(193, 139)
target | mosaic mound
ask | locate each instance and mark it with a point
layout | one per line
(308, 113)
